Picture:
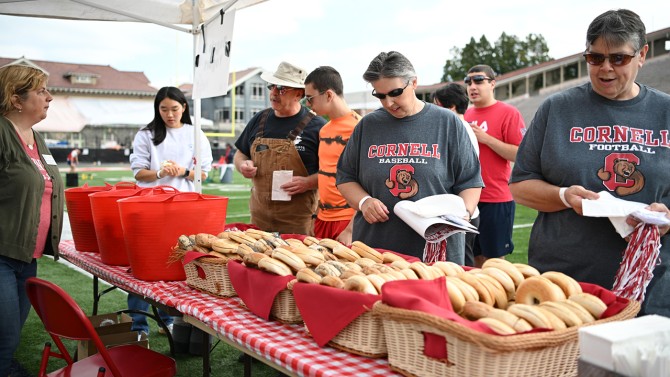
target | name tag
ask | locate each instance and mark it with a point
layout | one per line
(49, 159)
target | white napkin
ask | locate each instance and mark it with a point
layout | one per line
(618, 210)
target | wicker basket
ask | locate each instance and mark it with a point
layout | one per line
(472, 353)
(216, 280)
(363, 336)
(284, 308)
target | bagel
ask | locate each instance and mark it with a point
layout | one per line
(482, 291)
(257, 233)
(455, 296)
(294, 242)
(309, 240)
(448, 268)
(306, 275)
(590, 302)
(349, 273)
(474, 310)
(377, 281)
(240, 237)
(368, 270)
(469, 293)
(365, 251)
(569, 285)
(353, 266)
(290, 259)
(205, 239)
(332, 281)
(399, 264)
(337, 264)
(329, 243)
(383, 268)
(309, 256)
(532, 314)
(275, 241)
(244, 249)
(435, 271)
(345, 253)
(397, 275)
(512, 320)
(526, 270)
(388, 277)
(421, 270)
(219, 255)
(495, 289)
(365, 262)
(389, 257)
(497, 326)
(537, 289)
(325, 269)
(579, 310)
(262, 246)
(507, 267)
(274, 266)
(504, 279)
(565, 314)
(409, 274)
(252, 259)
(360, 284)
(555, 321)
(223, 245)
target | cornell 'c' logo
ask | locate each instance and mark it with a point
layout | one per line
(401, 182)
(621, 174)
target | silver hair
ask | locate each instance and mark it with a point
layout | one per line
(390, 64)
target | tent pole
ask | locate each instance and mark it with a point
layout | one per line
(197, 175)
(135, 16)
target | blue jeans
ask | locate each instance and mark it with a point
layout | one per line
(140, 321)
(14, 306)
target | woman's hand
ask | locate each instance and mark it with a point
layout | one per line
(656, 207)
(374, 211)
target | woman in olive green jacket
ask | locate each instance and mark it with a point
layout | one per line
(31, 197)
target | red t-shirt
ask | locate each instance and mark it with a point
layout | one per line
(505, 123)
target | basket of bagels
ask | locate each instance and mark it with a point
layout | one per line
(502, 319)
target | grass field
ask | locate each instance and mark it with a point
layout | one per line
(223, 357)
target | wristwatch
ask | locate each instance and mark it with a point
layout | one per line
(186, 173)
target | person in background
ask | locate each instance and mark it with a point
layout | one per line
(73, 159)
(454, 97)
(164, 154)
(324, 94)
(499, 128)
(406, 150)
(284, 137)
(31, 197)
(558, 166)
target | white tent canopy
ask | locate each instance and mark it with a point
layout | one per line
(169, 13)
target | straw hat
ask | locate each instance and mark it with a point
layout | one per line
(287, 74)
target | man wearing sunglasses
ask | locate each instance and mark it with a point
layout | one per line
(284, 137)
(499, 128)
(609, 135)
(324, 94)
(406, 150)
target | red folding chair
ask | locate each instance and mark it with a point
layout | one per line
(63, 318)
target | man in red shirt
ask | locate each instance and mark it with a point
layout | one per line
(499, 128)
(73, 159)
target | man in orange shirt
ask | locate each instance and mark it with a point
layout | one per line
(324, 94)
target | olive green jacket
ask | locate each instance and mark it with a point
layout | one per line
(21, 189)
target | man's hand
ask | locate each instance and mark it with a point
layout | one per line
(248, 169)
(297, 185)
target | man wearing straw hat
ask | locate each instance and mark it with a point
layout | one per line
(278, 151)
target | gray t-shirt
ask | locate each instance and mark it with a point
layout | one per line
(578, 137)
(428, 153)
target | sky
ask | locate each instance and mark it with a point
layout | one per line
(344, 34)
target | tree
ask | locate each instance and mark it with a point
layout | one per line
(507, 54)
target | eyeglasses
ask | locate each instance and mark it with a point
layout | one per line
(280, 88)
(615, 59)
(309, 99)
(393, 93)
(477, 79)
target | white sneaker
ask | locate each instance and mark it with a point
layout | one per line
(169, 327)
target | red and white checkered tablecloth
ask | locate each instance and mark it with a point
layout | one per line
(286, 345)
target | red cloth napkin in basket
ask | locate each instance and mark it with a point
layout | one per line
(256, 288)
(615, 304)
(326, 310)
(193, 255)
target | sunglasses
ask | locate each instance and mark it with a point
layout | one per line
(614, 59)
(477, 79)
(309, 99)
(280, 88)
(393, 93)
